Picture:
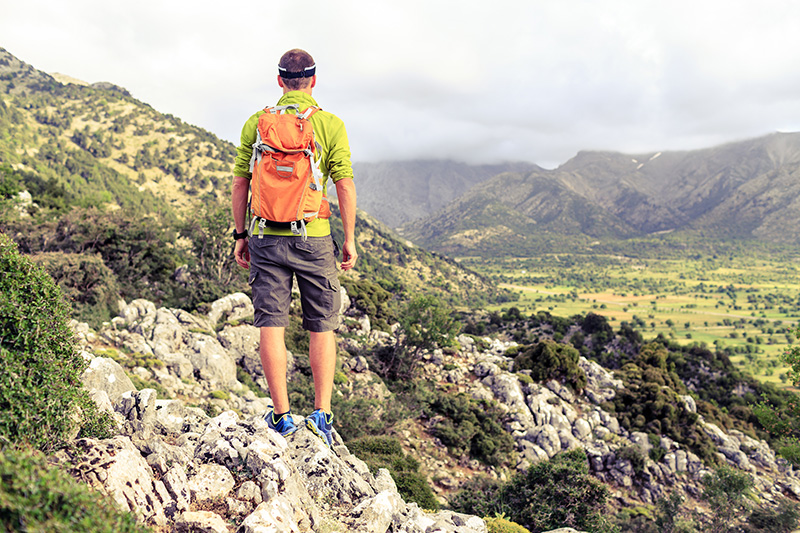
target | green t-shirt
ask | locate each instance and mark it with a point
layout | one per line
(329, 132)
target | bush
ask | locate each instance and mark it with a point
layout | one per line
(634, 455)
(426, 323)
(727, 492)
(86, 282)
(499, 524)
(784, 519)
(372, 299)
(472, 426)
(551, 494)
(650, 402)
(386, 452)
(37, 498)
(477, 496)
(551, 360)
(42, 401)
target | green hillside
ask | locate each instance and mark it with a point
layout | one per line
(129, 202)
(100, 147)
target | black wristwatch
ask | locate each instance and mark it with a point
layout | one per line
(242, 235)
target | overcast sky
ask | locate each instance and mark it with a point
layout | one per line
(488, 81)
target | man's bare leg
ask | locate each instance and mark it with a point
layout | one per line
(273, 361)
(322, 355)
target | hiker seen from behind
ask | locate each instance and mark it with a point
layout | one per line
(286, 156)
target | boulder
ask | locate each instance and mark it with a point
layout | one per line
(211, 481)
(235, 306)
(107, 375)
(116, 467)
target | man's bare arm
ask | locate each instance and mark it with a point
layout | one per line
(346, 192)
(240, 191)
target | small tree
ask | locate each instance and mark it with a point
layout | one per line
(783, 519)
(668, 515)
(727, 492)
(426, 324)
(552, 360)
(783, 422)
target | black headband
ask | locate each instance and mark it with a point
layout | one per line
(305, 73)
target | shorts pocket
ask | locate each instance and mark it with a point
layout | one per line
(333, 283)
(315, 246)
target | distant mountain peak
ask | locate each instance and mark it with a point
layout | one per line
(744, 190)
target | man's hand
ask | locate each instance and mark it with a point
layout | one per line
(241, 253)
(349, 255)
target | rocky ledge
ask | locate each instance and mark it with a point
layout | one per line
(204, 460)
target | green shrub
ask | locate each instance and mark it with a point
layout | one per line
(42, 400)
(472, 426)
(37, 498)
(131, 360)
(477, 496)
(633, 454)
(727, 492)
(549, 495)
(551, 360)
(784, 519)
(372, 299)
(499, 524)
(386, 452)
(86, 282)
(650, 402)
(247, 380)
(426, 323)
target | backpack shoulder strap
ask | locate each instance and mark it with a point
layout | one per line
(309, 111)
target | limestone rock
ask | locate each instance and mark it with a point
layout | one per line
(116, 467)
(107, 375)
(200, 522)
(210, 482)
(232, 307)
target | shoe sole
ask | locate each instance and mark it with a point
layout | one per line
(318, 432)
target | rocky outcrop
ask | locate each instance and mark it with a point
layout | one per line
(195, 454)
(175, 466)
(546, 419)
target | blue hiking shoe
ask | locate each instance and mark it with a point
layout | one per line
(321, 424)
(283, 425)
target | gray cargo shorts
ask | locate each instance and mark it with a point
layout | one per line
(274, 260)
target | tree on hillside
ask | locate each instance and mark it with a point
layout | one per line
(425, 324)
(213, 269)
(783, 421)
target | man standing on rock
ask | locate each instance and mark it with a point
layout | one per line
(275, 253)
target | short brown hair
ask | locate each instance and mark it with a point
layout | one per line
(296, 60)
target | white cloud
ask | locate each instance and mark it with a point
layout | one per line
(474, 80)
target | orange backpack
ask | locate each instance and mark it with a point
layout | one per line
(287, 183)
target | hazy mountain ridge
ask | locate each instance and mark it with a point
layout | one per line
(746, 190)
(396, 192)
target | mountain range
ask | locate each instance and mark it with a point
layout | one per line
(742, 190)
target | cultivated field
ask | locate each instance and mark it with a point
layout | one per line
(748, 304)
